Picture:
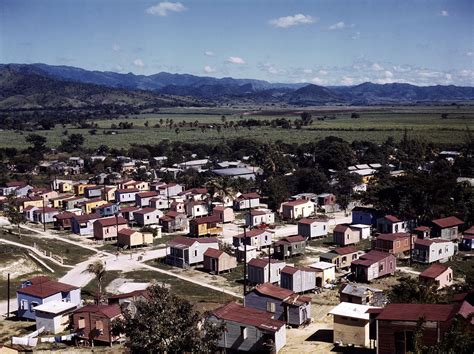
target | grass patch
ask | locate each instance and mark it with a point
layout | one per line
(236, 275)
(90, 290)
(321, 242)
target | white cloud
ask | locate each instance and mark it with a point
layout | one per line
(444, 13)
(470, 54)
(290, 21)
(388, 74)
(163, 8)
(323, 72)
(138, 63)
(318, 81)
(337, 26)
(377, 67)
(347, 80)
(116, 48)
(208, 69)
(236, 60)
(208, 53)
(118, 68)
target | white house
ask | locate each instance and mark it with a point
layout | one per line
(257, 270)
(187, 251)
(313, 228)
(390, 224)
(247, 200)
(434, 250)
(296, 209)
(259, 216)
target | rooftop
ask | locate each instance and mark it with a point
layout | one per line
(46, 289)
(434, 271)
(351, 310)
(55, 307)
(450, 221)
(109, 311)
(413, 312)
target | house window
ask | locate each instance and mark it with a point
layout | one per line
(148, 217)
(33, 305)
(24, 304)
(354, 256)
(324, 227)
(440, 251)
(99, 325)
(243, 332)
(81, 323)
(397, 244)
(195, 253)
(381, 267)
(270, 307)
(347, 236)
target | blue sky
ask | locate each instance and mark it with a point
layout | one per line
(327, 42)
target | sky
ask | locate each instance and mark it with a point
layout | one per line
(325, 42)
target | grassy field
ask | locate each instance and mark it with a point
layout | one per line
(375, 124)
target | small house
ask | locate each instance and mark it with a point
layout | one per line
(147, 216)
(83, 225)
(399, 244)
(325, 273)
(289, 246)
(105, 210)
(446, 228)
(93, 192)
(196, 208)
(362, 295)
(169, 189)
(313, 228)
(467, 241)
(249, 329)
(363, 229)
(365, 215)
(297, 209)
(161, 202)
(351, 324)
(224, 214)
(131, 238)
(173, 221)
(422, 232)
(243, 252)
(258, 271)
(90, 204)
(217, 261)
(344, 235)
(25, 202)
(258, 217)
(53, 316)
(126, 195)
(390, 224)
(42, 290)
(284, 304)
(186, 251)
(93, 323)
(259, 238)
(207, 225)
(373, 265)
(107, 228)
(341, 257)
(178, 206)
(438, 274)
(298, 279)
(247, 201)
(128, 213)
(63, 221)
(79, 189)
(143, 199)
(432, 250)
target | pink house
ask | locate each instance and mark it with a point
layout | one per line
(106, 228)
(224, 214)
(439, 274)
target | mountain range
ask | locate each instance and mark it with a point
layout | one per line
(36, 84)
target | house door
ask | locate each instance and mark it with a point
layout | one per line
(213, 265)
(404, 342)
(319, 282)
(186, 257)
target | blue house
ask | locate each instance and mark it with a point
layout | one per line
(83, 224)
(366, 216)
(41, 290)
(109, 209)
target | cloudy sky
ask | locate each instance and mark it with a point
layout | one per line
(327, 42)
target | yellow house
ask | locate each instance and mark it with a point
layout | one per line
(140, 185)
(79, 188)
(58, 202)
(88, 205)
(29, 201)
(65, 187)
(132, 238)
(109, 193)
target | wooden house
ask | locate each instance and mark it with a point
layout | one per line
(173, 221)
(224, 214)
(93, 323)
(432, 250)
(313, 228)
(207, 225)
(83, 225)
(258, 273)
(249, 329)
(344, 235)
(143, 199)
(89, 205)
(341, 257)
(467, 241)
(258, 217)
(126, 195)
(399, 244)
(297, 209)
(325, 273)
(161, 202)
(439, 274)
(284, 304)
(289, 246)
(351, 324)
(298, 279)
(93, 192)
(365, 215)
(196, 208)
(107, 228)
(128, 213)
(362, 295)
(259, 238)
(446, 228)
(390, 224)
(63, 220)
(217, 261)
(398, 323)
(147, 216)
(186, 251)
(105, 210)
(132, 238)
(247, 201)
(373, 265)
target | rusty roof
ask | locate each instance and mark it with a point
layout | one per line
(109, 311)
(393, 237)
(309, 221)
(290, 239)
(341, 228)
(413, 312)
(86, 217)
(262, 263)
(147, 194)
(345, 250)
(111, 221)
(371, 257)
(434, 271)
(145, 211)
(45, 289)
(205, 220)
(391, 218)
(213, 253)
(252, 233)
(287, 296)
(450, 221)
(297, 202)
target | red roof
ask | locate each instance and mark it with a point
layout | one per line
(130, 190)
(251, 233)
(45, 289)
(371, 257)
(393, 237)
(109, 311)
(147, 194)
(429, 242)
(180, 241)
(213, 253)
(295, 202)
(261, 263)
(64, 216)
(39, 279)
(308, 221)
(205, 220)
(248, 316)
(466, 310)
(46, 210)
(434, 271)
(448, 222)
(290, 239)
(341, 228)
(469, 231)
(145, 211)
(289, 270)
(129, 209)
(345, 250)
(112, 221)
(422, 228)
(15, 184)
(86, 217)
(286, 295)
(252, 195)
(127, 232)
(413, 312)
(391, 218)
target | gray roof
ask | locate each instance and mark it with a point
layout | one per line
(357, 290)
(328, 255)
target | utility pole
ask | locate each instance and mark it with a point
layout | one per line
(44, 215)
(269, 264)
(8, 296)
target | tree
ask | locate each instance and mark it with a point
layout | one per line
(410, 291)
(164, 322)
(38, 142)
(355, 115)
(73, 143)
(97, 268)
(13, 213)
(305, 118)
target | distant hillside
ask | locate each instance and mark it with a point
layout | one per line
(22, 88)
(65, 85)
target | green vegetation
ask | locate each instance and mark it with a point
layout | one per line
(375, 124)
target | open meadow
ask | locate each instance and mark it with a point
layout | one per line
(437, 124)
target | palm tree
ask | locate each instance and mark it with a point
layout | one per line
(220, 187)
(98, 269)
